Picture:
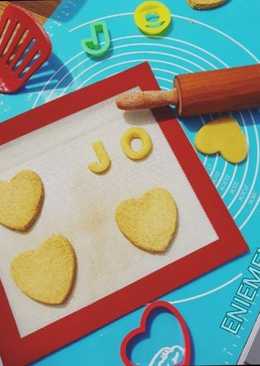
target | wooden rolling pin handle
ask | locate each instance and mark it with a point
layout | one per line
(204, 92)
(147, 99)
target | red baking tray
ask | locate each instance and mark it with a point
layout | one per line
(16, 350)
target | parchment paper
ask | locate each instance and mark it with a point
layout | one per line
(81, 205)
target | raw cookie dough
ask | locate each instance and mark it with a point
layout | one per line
(104, 161)
(21, 200)
(223, 136)
(205, 4)
(149, 222)
(129, 136)
(47, 273)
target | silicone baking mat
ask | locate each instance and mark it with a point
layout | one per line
(197, 41)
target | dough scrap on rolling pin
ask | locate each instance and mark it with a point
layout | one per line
(205, 4)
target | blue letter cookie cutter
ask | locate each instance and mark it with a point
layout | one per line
(92, 45)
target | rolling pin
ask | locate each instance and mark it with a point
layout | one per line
(203, 92)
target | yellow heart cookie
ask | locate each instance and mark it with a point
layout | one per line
(223, 136)
(21, 200)
(205, 4)
(46, 274)
(150, 221)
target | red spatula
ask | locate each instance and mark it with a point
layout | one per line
(24, 47)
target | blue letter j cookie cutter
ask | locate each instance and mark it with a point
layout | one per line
(92, 46)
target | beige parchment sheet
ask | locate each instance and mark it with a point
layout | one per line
(81, 205)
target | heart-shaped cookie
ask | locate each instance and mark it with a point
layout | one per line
(206, 4)
(223, 136)
(21, 200)
(150, 221)
(144, 329)
(46, 274)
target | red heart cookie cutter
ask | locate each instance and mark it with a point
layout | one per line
(143, 327)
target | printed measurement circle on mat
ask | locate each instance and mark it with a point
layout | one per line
(169, 56)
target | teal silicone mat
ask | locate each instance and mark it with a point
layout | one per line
(197, 40)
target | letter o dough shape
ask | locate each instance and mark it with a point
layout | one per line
(129, 136)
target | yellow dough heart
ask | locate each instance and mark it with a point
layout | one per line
(46, 274)
(21, 200)
(149, 222)
(205, 4)
(223, 136)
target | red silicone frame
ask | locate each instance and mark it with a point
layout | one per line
(18, 351)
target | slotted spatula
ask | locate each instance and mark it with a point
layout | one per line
(24, 47)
